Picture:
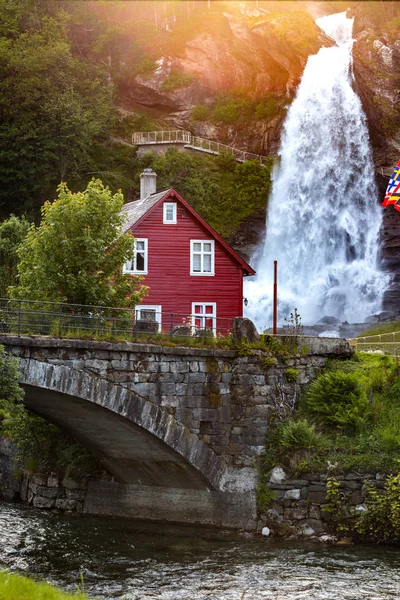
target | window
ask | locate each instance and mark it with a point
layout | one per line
(169, 213)
(145, 312)
(202, 257)
(139, 262)
(204, 316)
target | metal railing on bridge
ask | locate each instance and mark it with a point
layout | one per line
(389, 343)
(195, 143)
(28, 317)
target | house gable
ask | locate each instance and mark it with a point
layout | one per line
(138, 211)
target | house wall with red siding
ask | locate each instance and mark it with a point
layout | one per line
(169, 279)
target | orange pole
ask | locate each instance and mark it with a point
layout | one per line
(275, 327)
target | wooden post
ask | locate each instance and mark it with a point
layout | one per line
(275, 327)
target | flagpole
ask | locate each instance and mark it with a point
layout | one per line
(275, 327)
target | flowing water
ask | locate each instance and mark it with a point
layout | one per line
(323, 215)
(132, 561)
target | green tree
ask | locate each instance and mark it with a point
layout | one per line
(12, 233)
(77, 253)
(54, 108)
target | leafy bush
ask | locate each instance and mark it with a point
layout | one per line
(227, 113)
(16, 587)
(175, 80)
(200, 112)
(339, 399)
(379, 523)
(298, 435)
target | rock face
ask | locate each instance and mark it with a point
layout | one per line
(377, 75)
(260, 53)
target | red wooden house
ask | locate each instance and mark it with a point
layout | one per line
(194, 276)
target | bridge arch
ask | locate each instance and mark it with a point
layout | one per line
(138, 440)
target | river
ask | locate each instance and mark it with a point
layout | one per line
(129, 560)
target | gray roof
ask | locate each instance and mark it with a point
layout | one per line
(137, 209)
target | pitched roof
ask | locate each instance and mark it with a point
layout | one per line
(138, 210)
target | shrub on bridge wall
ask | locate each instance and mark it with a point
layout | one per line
(350, 414)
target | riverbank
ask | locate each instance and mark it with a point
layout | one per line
(16, 587)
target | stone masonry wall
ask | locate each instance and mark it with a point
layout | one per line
(298, 502)
(225, 399)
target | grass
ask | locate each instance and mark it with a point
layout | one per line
(15, 587)
(310, 442)
(390, 327)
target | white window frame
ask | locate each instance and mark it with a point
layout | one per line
(212, 316)
(133, 262)
(156, 307)
(202, 253)
(172, 221)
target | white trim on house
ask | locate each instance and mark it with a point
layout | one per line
(157, 308)
(199, 255)
(141, 246)
(201, 316)
(167, 206)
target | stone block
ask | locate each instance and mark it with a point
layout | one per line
(38, 480)
(314, 512)
(293, 494)
(70, 484)
(317, 497)
(47, 492)
(194, 366)
(196, 377)
(76, 495)
(66, 504)
(42, 502)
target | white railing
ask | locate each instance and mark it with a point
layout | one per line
(161, 137)
(389, 343)
(194, 142)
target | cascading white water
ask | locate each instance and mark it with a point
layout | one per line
(323, 214)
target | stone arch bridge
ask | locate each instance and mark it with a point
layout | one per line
(180, 429)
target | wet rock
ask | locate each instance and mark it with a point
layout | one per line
(42, 502)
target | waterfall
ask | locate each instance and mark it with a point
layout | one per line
(323, 214)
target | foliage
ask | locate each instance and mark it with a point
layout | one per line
(77, 253)
(379, 522)
(389, 327)
(298, 435)
(374, 448)
(200, 113)
(224, 192)
(43, 447)
(339, 399)
(175, 80)
(293, 323)
(11, 394)
(54, 107)
(265, 497)
(292, 375)
(239, 108)
(12, 233)
(16, 587)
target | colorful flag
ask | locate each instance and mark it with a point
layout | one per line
(393, 189)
